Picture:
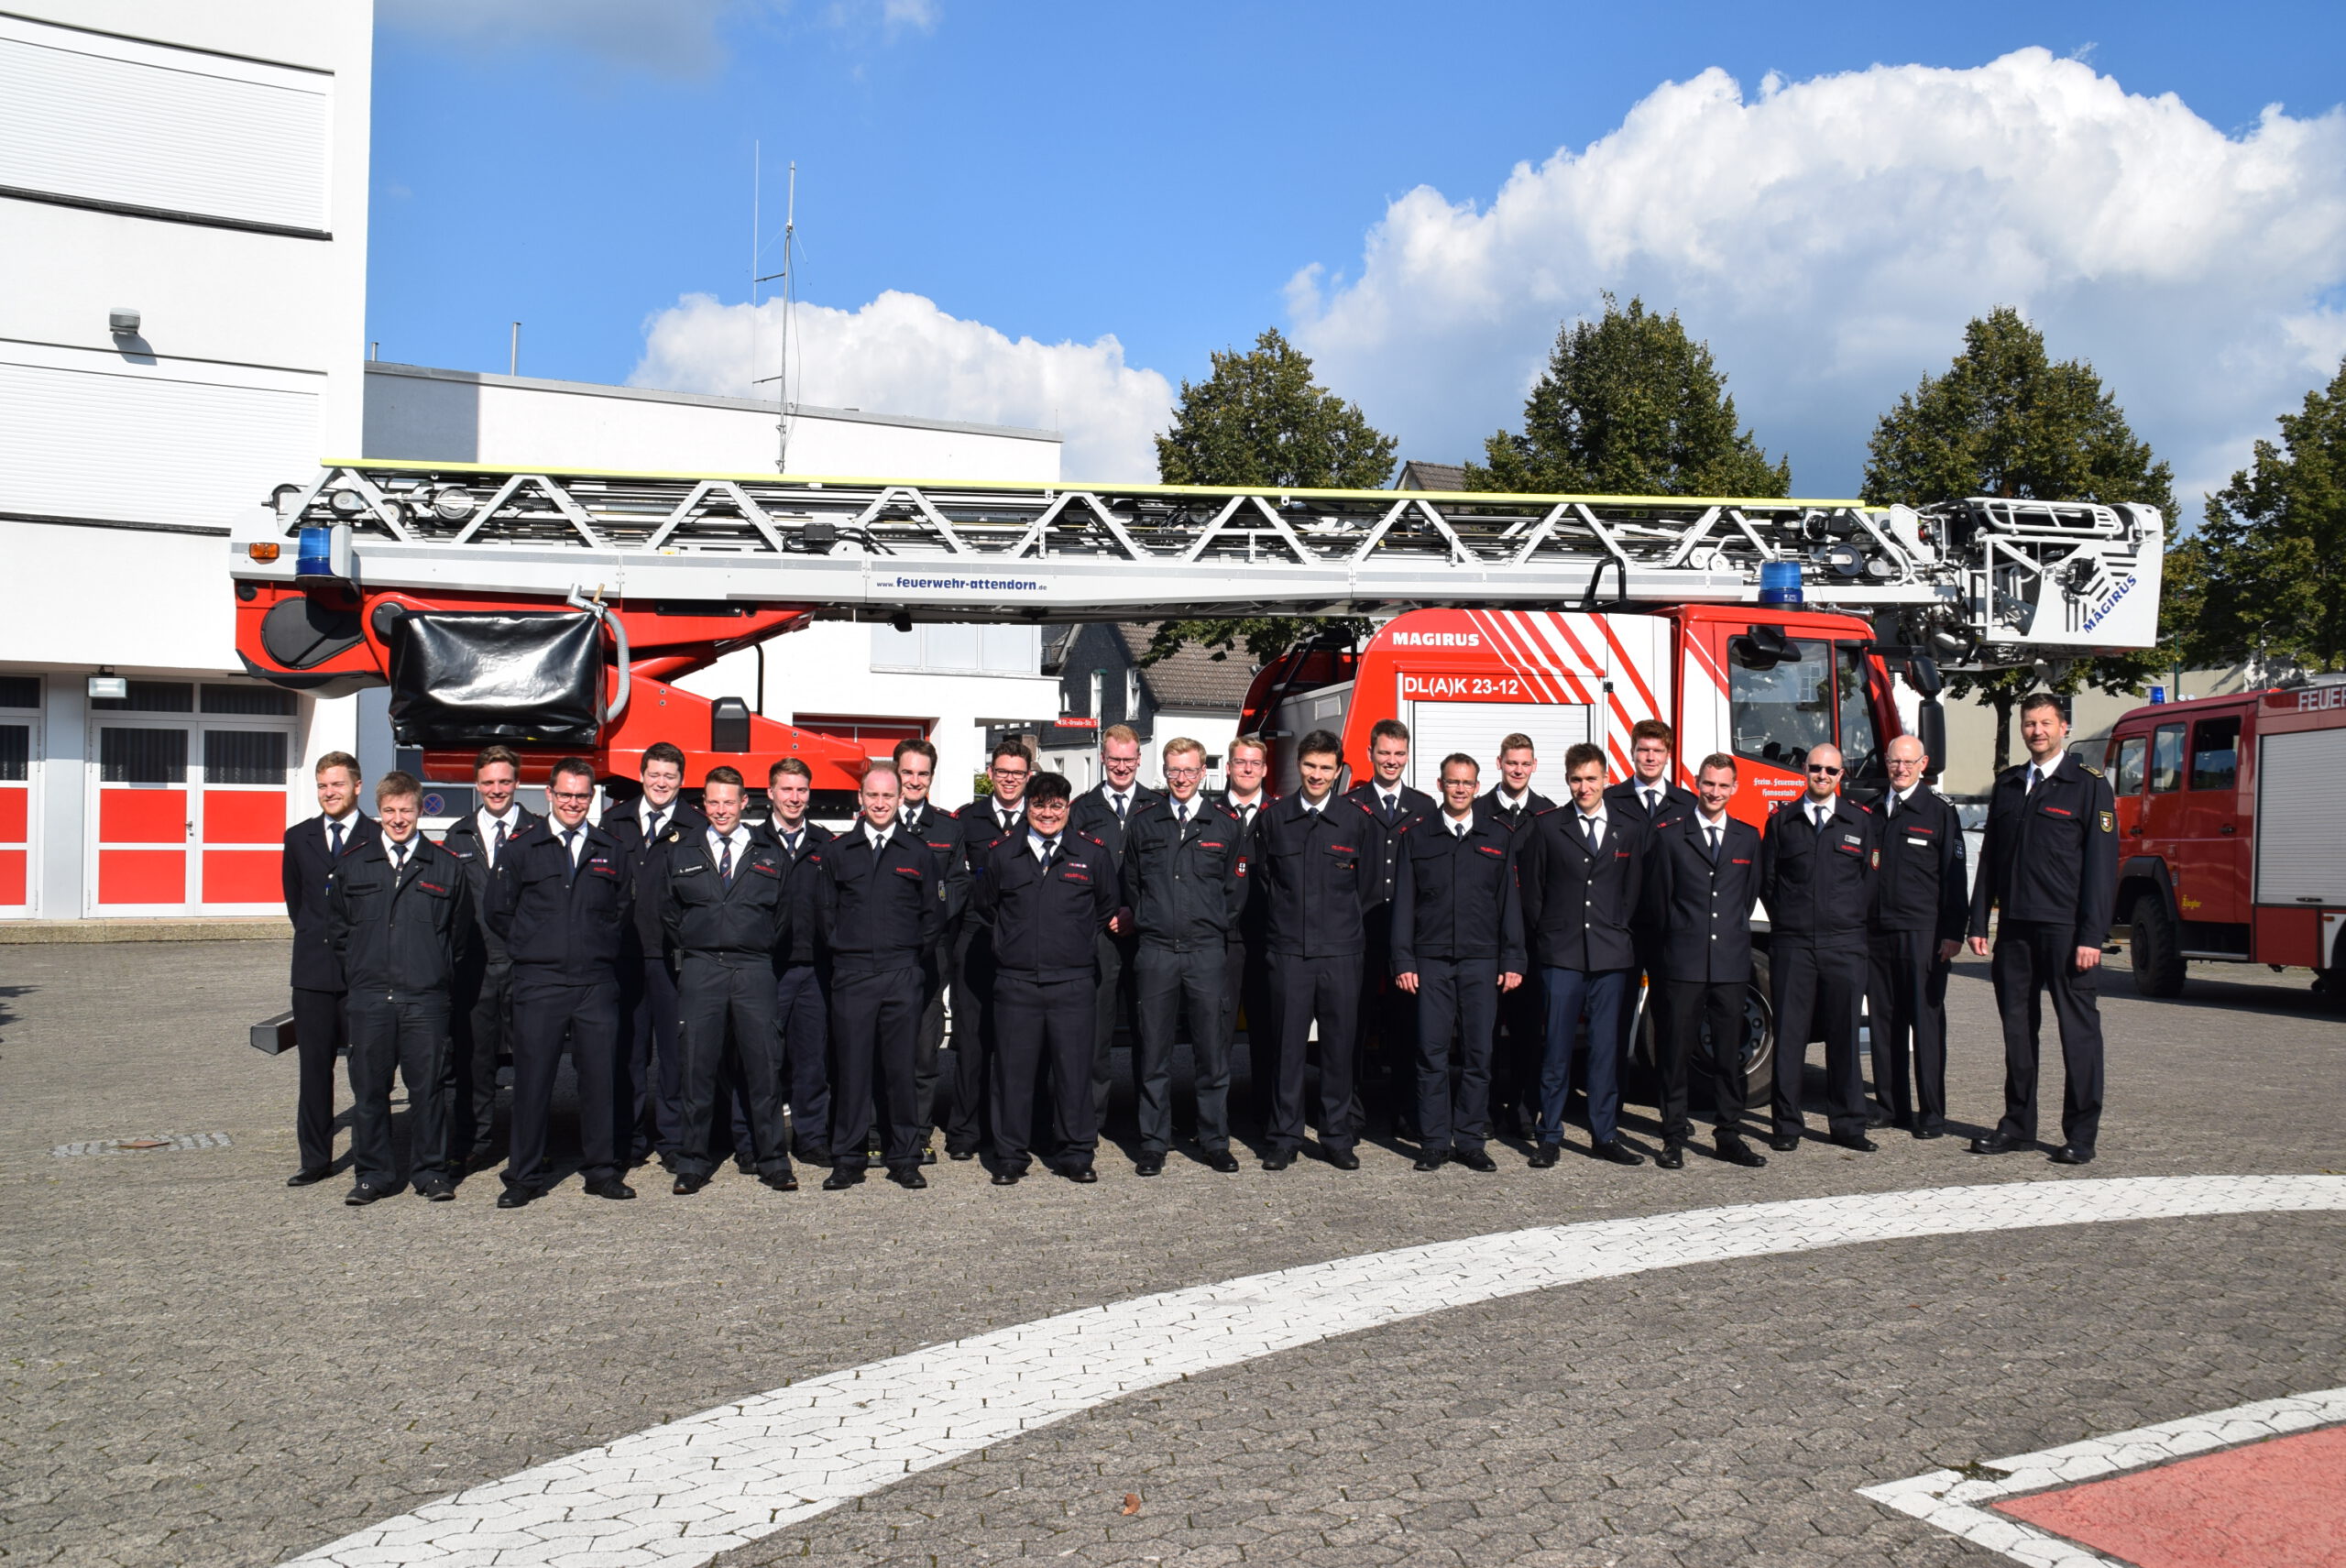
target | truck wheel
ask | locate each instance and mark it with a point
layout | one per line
(2156, 950)
(1758, 1037)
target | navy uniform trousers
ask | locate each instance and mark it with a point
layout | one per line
(719, 995)
(1455, 997)
(547, 1013)
(1166, 980)
(409, 1037)
(802, 1012)
(1906, 995)
(483, 1017)
(1328, 990)
(648, 1005)
(1816, 986)
(2031, 958)
(1044, 1025)
(875, 1019)
(318, 1034)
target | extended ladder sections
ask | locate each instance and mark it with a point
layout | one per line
(1985, 580)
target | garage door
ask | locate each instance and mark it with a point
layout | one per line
(1437, 729)
(189, 800)
(20, 754)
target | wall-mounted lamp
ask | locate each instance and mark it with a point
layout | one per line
(122, 322)
(107, 687)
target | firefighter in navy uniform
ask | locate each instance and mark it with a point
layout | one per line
(1182, 890)
(483, 1001)
(1817, 856)
(1649, 796)
(986, 821)
(1106, 813)
(723, 914)
(1921, 904)
(313, 850)
(401, 922)
(1320, 856)
(1384, 1060)
(1047, 893)
(801, 984)
(1512, 803)
(942, 831)
(2049, 867)
(650, 1107)
(1702, 881)
(876, 895)
(562, 898)
(1584, 887)
(1246, 965)
(1457, 947)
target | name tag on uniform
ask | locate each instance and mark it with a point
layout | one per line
(911, 871)
(601, 867)
(1920, 843)
(1075, 873)
(1493, 851)
(693, 870)
(767, 867)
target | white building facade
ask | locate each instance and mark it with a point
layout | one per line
(182, 283)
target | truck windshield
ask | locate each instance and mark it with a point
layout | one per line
(1780, 711)
(1860, 747)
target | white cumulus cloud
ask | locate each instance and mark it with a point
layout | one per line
(902, 355)
(1831, 238)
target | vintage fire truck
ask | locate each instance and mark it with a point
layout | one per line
(2232, 836)
(555, 611)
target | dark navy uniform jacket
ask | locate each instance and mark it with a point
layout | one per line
(1534, 803)
(1578, 905)
(875, 909)
(1818, 886)
(1408, 804)
(798, 945)
(1091, 816)
(738, 921)
(1319, 872)
(647, 935)
(2050, 856)
(1629, 796)
(1921, 886)
(308, 874)
(463, 840)
(1251, 927)
(401, 936)
(943, 832)
(1181, 880)
(1456, 898)
(1700, 910)
(981, 830)
(566, 926)
(1048, 917)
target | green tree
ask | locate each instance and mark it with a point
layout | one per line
(2273, 549)
(1261, 419)
(2005, 420)
(1629, 406)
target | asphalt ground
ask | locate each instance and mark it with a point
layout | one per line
(205, 1366)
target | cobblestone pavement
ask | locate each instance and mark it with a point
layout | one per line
(208, 1367)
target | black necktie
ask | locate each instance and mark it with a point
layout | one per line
(725, 860)
(651, 827)
(399, 860)
(1180, 815)
(1458, 829)
(1006, 820)
(1050, 847)
(1120, 806)
(1390, 806)
(1653, 801)
(334, 851)
(1819, 814)
(569, 853)
(791, 842)
(1713, 832)
(1589, 832)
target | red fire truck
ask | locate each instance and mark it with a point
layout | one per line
(2233, 843)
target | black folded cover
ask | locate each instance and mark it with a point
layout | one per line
(475, 678)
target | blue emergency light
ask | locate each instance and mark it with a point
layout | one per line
(1779, 582)
(316, 557)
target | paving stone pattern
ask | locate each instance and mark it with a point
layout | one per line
(210, 1367)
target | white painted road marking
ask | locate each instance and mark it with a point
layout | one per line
(682, 1493)
(1951, 1501)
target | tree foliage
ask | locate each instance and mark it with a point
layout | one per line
(1630, 405)
(1261, 419)
(2272, 551)
(2006, 420)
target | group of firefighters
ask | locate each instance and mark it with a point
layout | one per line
(778, 990)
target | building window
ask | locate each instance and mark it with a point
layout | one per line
(15, 752)
(142, 756)
(20, 691)
(877, 734)
(1132, 695)
(948, 649)
(151, 697)
(243, 757)
(1099, 695)
(270, 700)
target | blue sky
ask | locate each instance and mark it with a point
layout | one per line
(1168, 176)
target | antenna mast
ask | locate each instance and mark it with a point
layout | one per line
(789, 276)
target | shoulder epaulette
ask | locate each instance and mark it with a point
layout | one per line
(2089, 767)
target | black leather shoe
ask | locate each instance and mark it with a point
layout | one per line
(1734, 1151)
(1432, 1159)
(1877, 1117)
(1224, 1161)
(927, 1155)
(1616, 1152)
(1671, 1157)
(1996, 1143)
(840, 1181)
(2070, 1154)
(615, 1189)
(1344, 1159)
(436, 1192)
(1006, 1178)
(745, 1165)
(685, 1185)
(1475, 1159)
(1930, 1132)
(781, 1181)
(961, 1154)
(308, 1177)
(515, 1198)
(1783, 1142)
(1544, 1156)
(1278, 1161)
(909, 1178)
(1857, 1141)
(363, 1194)
(1149, 1165)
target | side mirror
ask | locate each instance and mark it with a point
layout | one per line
(1922, 675)
(1762, 648)
(1931, 723)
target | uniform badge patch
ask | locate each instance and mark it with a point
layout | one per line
(2108, 823)
(1877, 860)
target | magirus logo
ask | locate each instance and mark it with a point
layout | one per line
(1438, 639)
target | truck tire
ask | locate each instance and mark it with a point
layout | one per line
(1759, 1036)
(2156, 950)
